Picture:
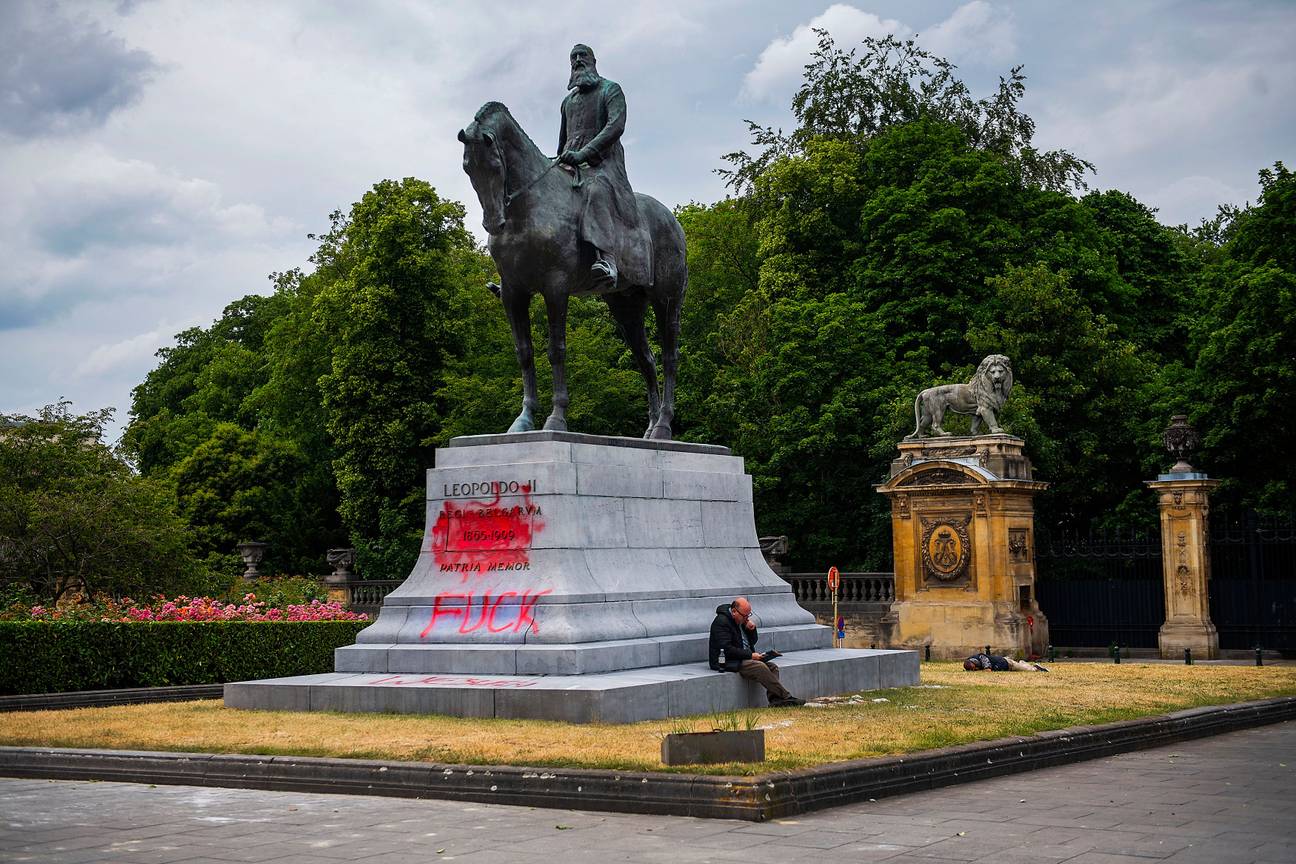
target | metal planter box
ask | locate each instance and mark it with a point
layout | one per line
(695, 748)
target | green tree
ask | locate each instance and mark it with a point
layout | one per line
(239, 485)
(391, 269)
(1243, 334)
(227, 377)
(75, 518)
(855, 94)
(1079, 383)
(902, 231)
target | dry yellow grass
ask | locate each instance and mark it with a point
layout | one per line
(951, 707)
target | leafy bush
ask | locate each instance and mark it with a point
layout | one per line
(60, 656)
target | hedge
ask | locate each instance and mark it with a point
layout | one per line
(61, 656)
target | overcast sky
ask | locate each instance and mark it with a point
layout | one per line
(159, 159)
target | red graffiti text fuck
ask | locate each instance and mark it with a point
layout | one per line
(505, 612)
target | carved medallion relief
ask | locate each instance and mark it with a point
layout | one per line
(946, 550)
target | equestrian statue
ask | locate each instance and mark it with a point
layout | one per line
(572, 225)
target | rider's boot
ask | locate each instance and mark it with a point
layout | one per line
(604, 272)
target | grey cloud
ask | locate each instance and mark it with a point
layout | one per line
(18, 312)
(59, 74)
(83, 225)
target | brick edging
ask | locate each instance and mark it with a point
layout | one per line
(752, 798)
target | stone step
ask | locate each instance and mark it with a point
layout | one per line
(616, 697)
(573, 659)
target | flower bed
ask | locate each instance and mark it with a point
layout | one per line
(192, 609)
(105, 644)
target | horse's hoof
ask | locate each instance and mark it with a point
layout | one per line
(660, 432)
(555, 424)
(522, 424)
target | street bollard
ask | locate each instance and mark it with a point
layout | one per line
(1259, 656)
(1187, 656)
(927, 654)
(1116, 655)
(987, 650)
(1051, 655)
(872, 646)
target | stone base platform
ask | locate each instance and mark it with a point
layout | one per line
(581, 658)
(613, 697)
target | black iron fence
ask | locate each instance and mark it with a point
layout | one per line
(1102, 588)
(1253, 580)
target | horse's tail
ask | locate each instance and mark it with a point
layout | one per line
(669, 254)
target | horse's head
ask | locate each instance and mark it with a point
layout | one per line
(484, 163)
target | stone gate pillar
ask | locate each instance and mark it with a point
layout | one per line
(1183, 496)
(962, 527)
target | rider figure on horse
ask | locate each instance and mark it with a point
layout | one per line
(593, 119)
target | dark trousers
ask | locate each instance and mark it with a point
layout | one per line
(766, 675)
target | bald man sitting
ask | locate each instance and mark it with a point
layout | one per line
(733, 638)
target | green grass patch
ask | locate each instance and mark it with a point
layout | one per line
(954, 707)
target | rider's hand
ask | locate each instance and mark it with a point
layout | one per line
(572, 157)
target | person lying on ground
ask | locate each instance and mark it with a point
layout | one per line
(995, 663)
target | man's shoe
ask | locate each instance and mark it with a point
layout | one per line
(604, 273)
(789, 702)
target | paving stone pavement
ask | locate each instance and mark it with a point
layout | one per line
(1224, 800)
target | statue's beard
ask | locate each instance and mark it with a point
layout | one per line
(583, 78)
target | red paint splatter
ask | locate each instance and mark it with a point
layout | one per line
(480, 536)
(451, 680)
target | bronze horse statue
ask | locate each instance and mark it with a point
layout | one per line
(531, 207)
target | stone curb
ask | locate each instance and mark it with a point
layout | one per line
(750, 798)
(100, 698)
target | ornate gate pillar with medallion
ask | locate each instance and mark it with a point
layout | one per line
(1183, 496)
(962, 525)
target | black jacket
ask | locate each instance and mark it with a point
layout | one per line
(993, 662)
(727, 634)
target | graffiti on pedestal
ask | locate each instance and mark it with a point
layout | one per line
(449, 681)
(478, 539)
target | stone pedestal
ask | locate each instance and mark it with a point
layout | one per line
(1184, 499)
(962, 525)
(576, 577)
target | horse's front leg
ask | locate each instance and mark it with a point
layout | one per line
(556, 311)
(517, 306)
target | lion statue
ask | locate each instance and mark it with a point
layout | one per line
(981, 397)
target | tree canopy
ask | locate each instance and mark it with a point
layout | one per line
(75, 519)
